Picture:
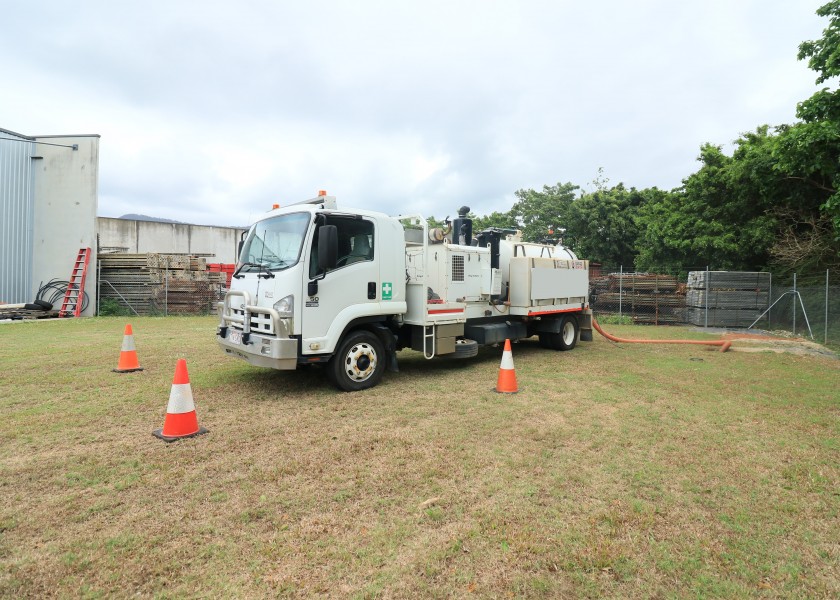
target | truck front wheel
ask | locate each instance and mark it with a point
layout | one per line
(359, 362)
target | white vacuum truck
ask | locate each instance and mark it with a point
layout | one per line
(348, 288)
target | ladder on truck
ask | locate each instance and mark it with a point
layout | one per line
(71, 306)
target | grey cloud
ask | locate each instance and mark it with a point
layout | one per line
(498, 95)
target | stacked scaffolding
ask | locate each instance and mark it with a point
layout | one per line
(160, 283)
(645, 297)
(726, 298)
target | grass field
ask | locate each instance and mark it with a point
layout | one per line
(617, 471)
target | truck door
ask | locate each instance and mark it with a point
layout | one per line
(345, 290)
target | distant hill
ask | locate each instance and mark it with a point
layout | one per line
(133, 217)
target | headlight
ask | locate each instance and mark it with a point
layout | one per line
(285, 306)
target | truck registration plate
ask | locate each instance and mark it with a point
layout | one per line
(235, 337)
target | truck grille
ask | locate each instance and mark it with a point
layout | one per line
(260, 322)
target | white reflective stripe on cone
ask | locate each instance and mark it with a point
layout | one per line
(507, 361)
(128, 343)
(180, 399)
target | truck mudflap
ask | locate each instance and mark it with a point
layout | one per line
(585, 323)
(389, 340)
(269, 346)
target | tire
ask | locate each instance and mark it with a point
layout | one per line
(465, 348)
(568, 332)
(44, 304)
(32, 306)
(359, 362)
(566, 339)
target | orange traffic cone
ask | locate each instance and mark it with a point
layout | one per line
(507, 375)
(181, 420)
(128, 355)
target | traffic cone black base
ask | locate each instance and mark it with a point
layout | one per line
(158, 433)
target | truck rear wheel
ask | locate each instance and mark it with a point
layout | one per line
(565, 339)
(359, 362)
(568, 332)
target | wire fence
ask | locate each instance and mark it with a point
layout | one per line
(807, 306)
(158, 284)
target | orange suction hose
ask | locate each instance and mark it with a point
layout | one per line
(724, 344)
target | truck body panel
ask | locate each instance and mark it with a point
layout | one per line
(537, 282)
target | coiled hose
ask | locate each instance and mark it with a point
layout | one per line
(53, 292)
(724, 344)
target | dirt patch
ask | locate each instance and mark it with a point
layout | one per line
(759, 340)
(770, 342)
(749, 336)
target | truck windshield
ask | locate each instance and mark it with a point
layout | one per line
(274, 244)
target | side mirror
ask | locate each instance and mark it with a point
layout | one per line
(327, 247)
(240, 244)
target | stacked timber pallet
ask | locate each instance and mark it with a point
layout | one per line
(19, 312)
(160, 283)
(645, 297)
(726, 298)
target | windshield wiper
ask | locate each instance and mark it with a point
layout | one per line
(265, 272)
(278, 264)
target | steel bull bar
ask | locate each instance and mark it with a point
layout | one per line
(270, 347)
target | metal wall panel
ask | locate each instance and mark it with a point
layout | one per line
(16, 217)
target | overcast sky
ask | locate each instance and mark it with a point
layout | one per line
(210, 112)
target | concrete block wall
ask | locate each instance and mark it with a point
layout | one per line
(138, 237)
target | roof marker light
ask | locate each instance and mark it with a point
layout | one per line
(275, 206)
(322, 192)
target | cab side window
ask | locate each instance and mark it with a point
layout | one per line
(355, 243)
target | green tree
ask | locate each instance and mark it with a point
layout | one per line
(809, 151)
(720, 217)
(433, 222)
(495, 219)
(539, 213)
(824, 54)
(602, 225)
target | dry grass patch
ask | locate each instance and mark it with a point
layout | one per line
(617, 471)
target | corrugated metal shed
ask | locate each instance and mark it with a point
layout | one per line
(16, 216)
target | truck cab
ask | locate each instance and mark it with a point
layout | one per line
(309, 273)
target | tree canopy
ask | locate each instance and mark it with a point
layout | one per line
(773, 203)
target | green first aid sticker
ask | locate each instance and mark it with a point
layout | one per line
(387, 290)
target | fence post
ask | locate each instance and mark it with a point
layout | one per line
(620, 289)
(825, 340)
(770, 302)
(166, 289)
(706, 320)
(794, 304)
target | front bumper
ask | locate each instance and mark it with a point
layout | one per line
(255, 334)
(261, 351)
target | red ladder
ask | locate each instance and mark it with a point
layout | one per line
(71, 306)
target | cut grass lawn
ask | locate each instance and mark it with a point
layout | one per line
(620, 471)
